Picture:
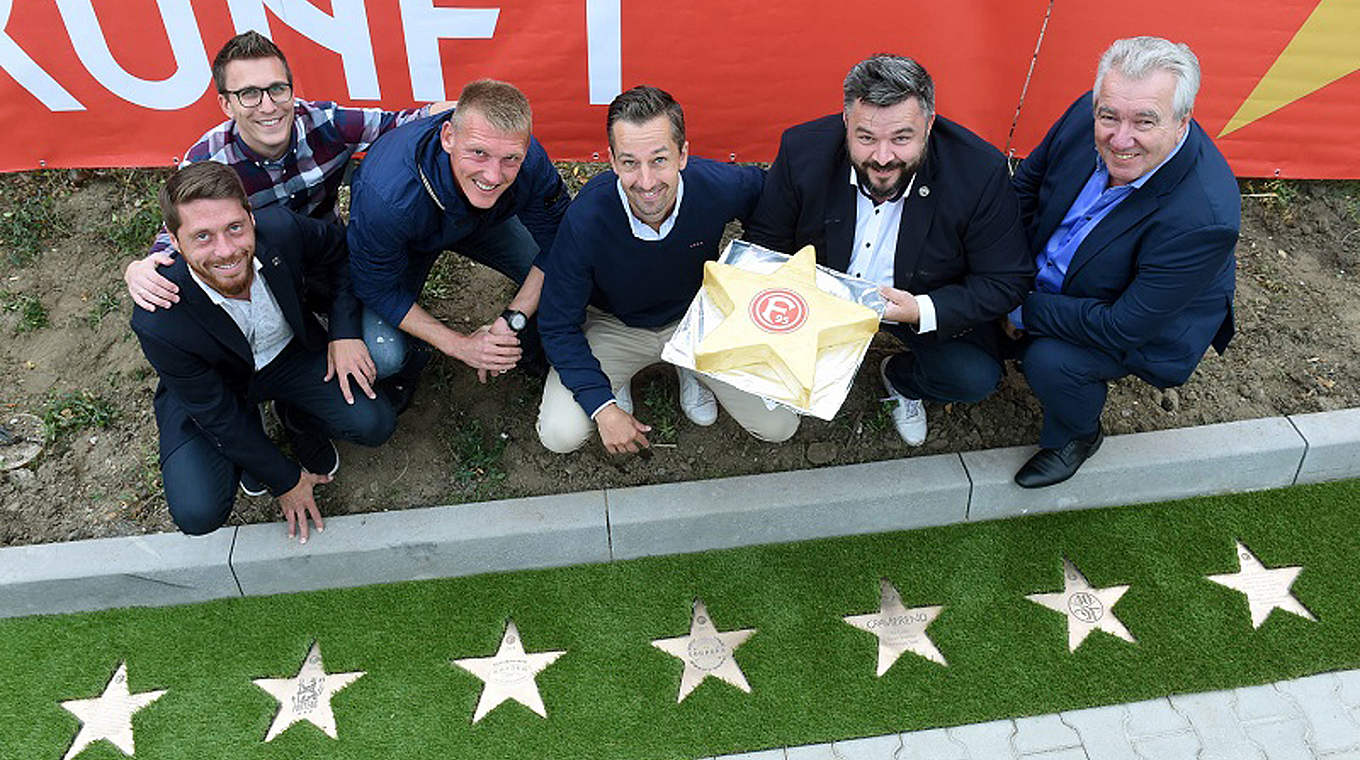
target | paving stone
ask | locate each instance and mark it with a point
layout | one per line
(1353, 754)
(933, 744)
(1181, 745)
(1330, 726)
(1333, 445)
(787, 506)
(135, 571)
(1349, 691)
(1281, 740)
(764, 754)
(985, 741)
(416, 544)
(1154, 716)
(1070, 753)
(1102, 732)
(1211, 715)
(869, 748)
(1041, 733)
(811, 752)
(1165, 464)
(1262, 703)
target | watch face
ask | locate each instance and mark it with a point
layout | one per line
(516, 320)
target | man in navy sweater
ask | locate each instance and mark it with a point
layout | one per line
(627, 261)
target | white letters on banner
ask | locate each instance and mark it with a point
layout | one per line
(28, 73)
(425, 25)
(345, 33)
(191, 64)
(604, 48)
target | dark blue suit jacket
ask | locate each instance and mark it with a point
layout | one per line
(204, 361)
(960, 240)
(1153, 282)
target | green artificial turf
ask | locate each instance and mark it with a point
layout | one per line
(612, 695)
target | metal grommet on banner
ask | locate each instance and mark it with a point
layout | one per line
(732, 157)
(924, 191)
(595, 156)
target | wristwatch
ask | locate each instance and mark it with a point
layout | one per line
(515, 319)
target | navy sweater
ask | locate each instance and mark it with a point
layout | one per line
(596, 260)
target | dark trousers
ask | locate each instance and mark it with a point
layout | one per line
(1070, 381)
(953, 370)
(200, 480)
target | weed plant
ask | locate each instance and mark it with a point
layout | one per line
(67, 413)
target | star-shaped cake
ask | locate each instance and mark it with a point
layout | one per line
(778, 324)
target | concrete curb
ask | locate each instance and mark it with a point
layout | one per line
(616, 524)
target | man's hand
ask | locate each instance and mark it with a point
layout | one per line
(485, 350)
(621, 431)
(499, 327)
(149, 290)
(1012, 332)
(348, 358)
(298, 503)
(902, 306)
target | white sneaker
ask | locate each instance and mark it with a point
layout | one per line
(696, 401)
(624, 397)
(909, 416)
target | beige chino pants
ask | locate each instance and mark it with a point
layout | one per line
(622, 351)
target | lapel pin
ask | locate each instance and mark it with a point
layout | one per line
(924, 191)
(276, 261)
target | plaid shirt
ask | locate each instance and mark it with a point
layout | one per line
(307, 178)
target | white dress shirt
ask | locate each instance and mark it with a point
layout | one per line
(259, 317)
(873, 255)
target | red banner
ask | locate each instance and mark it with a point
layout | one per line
(126, 82)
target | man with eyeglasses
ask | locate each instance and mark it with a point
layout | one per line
(287, 151)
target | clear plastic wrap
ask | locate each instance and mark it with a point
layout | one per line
(836, 365)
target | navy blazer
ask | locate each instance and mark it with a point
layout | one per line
(1153, 282)
(204, 361)
(960, 240)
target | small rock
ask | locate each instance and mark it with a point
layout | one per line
(821, 452)
(23, 477)
(1171, 400)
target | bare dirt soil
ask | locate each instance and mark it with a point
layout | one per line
(68, 357)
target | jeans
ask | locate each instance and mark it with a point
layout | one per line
(200, 480)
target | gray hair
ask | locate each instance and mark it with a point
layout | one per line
(1138, 57)
(886, 80)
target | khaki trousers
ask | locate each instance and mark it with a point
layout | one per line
(622, 351)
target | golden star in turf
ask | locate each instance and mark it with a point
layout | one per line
(306, 696)
(899, 629)
(509, 674)
(706, 652)
(109, 715)
(780, 320)
(1266, 588)
(1087, 609)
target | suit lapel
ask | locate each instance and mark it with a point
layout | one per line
(1068, 186)
(281, 284)
(840, 219)
(1135, 208)
(918, 210)
(210, 316)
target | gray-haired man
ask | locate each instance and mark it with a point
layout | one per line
(890, 192)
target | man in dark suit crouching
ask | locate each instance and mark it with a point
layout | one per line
(245, 332)
(1133, 242)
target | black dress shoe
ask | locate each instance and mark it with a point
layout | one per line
(1052, 466)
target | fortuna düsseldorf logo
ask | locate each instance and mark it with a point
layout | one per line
(778, 310)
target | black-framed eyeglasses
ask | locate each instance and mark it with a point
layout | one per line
(249, 97)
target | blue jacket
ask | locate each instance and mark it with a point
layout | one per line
(397, 227)
(1153, 282)
(597, 260)
(204, 361)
